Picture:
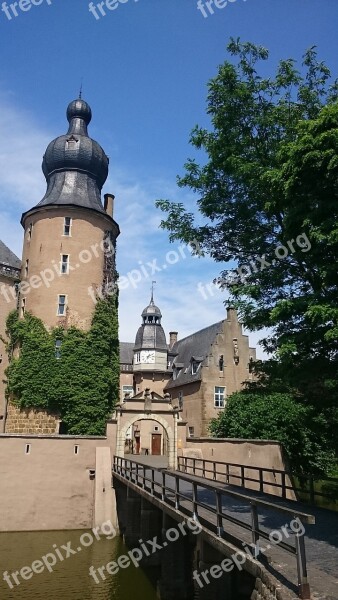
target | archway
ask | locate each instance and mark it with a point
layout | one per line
(159, 410)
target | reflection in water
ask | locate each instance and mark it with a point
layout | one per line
(70, 579)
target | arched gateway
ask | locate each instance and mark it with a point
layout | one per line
(144, 407)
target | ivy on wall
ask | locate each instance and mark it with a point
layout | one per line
(83, 384)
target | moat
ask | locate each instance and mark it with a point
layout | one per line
(70, 578)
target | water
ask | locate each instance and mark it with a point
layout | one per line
(70, 579)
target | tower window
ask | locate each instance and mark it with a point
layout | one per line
(64, 264)
(58, 348)
(67, 226)
(26, 267)
(30, 231)
(137, 358)
(127, 390)
(61, 305)
(219, 397)
(23, 307)
(191, 431)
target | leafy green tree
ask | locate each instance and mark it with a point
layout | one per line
(268, 202)
(277, 416)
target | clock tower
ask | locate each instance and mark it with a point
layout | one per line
(151, 349)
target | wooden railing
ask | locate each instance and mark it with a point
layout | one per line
(262, 479)
(167, 486)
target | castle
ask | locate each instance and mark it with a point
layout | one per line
(69, 252)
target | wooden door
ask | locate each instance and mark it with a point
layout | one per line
(156, 444)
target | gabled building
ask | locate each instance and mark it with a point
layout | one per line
(10, 268)
(199, 371)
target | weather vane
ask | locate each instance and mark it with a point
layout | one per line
(152, 290)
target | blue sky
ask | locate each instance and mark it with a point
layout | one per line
(145, 67)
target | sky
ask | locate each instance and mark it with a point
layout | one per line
(145, 66)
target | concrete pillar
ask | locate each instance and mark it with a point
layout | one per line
(151, 524)
(132, 533)
(105, 502)
(176, 564)
(121, 505)
(216, 584)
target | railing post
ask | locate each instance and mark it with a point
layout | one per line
(220, 529)
(242, 475)
(203, 468)
(261, 480)
(163, 486)
(194, 466)
(227, 474)
(303, 585)
(177, 492)
(283, 475)
(215, 473)
(194, 501)
(254, 527)
(153, 482)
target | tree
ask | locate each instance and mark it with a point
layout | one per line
(268, 197)
(277, 416)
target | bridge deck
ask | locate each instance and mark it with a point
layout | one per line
(321, 539)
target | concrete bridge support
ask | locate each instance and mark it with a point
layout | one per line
(132, 533)
(121, 505)
(210, 582)
(176, 562)
(151, 522)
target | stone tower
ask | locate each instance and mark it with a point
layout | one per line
(70, 236)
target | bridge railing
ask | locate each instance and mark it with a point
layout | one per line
(167, 487)
(281, 483)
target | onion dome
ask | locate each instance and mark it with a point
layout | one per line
(76, 151)
(75, 166)
(151, 333)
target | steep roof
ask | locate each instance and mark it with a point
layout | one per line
(8, 258)
(196, 346)
(126, 353)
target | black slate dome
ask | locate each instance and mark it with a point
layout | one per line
(80, 109)
(76, 151)
(152, 309)
(74, 165)
(151, 333)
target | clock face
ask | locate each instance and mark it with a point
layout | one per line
(148, 356)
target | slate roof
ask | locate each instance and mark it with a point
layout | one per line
(126, 353)
(194, 346)
(8, 258)
(151, 336)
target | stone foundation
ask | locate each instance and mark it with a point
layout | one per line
(33, 421)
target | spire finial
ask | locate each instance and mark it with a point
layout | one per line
(80, 92)
(152, 292)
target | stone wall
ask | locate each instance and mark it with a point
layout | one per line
(55, 482)
(30, 421)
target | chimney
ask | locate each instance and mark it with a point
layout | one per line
(109, 204)
(173, 338)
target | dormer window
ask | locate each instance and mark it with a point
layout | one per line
(176, 371)
(194, 367)
(72, 143)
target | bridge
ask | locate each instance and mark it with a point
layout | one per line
(278, 547)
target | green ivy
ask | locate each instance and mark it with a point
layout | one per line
(83, 384)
